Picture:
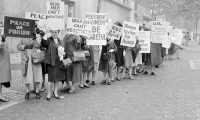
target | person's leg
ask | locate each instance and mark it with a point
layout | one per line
(43, 84)
(49, 90)
(130, 73)
(177, 53)
(124, 72)
(162, 61)
(93, 77)
(105, 78)
(27, 96)
(37, 90)
(83, 80)
(55, 92)
(118, 72)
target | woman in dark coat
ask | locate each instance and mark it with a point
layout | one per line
(5, 68)
(54, 65)
(119, 57)
(72, 43)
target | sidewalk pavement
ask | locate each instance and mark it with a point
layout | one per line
(173, 94)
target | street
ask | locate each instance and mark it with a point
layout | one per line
(172, 94)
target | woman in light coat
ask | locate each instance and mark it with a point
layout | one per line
(5, 69)
(31, 73)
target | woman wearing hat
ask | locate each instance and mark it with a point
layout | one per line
(54, 64)
(5, 73)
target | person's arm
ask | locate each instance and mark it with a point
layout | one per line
(23, 46)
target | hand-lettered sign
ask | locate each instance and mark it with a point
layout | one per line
(98, 23)
(114, 32)
(18, 27)
(144, 41)
(129, 33)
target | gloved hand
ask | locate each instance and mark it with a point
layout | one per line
(111, 50)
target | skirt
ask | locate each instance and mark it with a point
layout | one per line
(138, 60)
(163, 52)
(74, 73)
(129, 59)
(55, 73)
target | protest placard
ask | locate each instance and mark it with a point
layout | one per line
(18, 27)
(78, 27)
(41, 21)
(178, 36)
(55, 15)
(158, 31)
(98, 24)
(144, 41)
(114, 32)
(108, 23)
(129, 33)
(166, 43)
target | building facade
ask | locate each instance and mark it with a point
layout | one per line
(116, 10)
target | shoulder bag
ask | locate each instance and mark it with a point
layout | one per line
(39, 57)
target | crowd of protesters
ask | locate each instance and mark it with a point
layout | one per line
(89, 60)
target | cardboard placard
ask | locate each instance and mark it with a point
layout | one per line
(144, 41)
(114, 32)
(55, 15)
(129, 33)
(98, 24)
(78, 27)
(158, 31)
(178, 36)
(18, 27)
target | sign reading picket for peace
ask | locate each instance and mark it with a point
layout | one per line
(178, 36)
(55, 15)
(18, 27)
(41, 21)
(79, 27)
(129, 33)
(144, 41)
(114, 32)
(98, 24)
(158, 31)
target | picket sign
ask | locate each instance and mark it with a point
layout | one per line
(55, 15)
(98, 23)
(178, 36)
(79, 27)
(129, 33)
(144, 41)
(114, 32)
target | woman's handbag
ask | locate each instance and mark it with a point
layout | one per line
(105, 56)
(79, 56)
(66, 62)
(39, 57)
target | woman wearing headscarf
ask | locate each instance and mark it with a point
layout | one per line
(74, 73)
(119, 56)
(107, 61)
(54, 64)
(5, 73)
(31, 73)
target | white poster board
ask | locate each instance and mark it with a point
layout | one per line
(41, 21)
(78, 27)
(114, 32)
(98, 23)
(55, 15)
(178, 36)
(129, 33)
(158, 31)
(108, 23)
(144, 41)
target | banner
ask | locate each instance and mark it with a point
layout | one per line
(178, 36)
(78, 27)
(98, 24)
(1, 28)
(114, 32)
(158, 31)
(18, 27)
(55, 15)
(41, 22)
(144, 41)
(128, 34)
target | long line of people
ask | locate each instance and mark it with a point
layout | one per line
(77, 72)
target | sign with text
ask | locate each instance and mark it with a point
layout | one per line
(167, 43)
(18, 27)
(144, 41)
(129, 33)
(41, 21)
(178, 36)
(98, 24)
(108, 23)
(158, 31)
(78, 27)
(55, 15)
(114, 32)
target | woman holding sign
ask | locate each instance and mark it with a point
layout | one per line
(5, 69)
(54, 63)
